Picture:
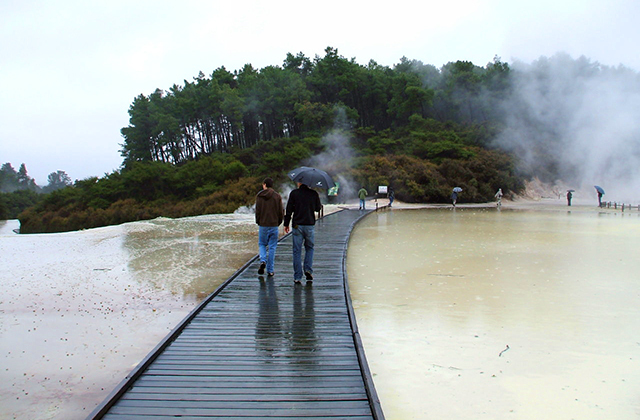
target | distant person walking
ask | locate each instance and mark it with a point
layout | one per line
(499, 197)
(269, 215)
(454, 198)
(362, 194)
(600, 192)
(391, 194)
(301, 207)
(569, 197)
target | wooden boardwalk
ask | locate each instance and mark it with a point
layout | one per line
(261, 347)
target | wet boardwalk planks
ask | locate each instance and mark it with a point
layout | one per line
(261, 347)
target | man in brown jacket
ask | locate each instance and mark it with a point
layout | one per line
(269, 215)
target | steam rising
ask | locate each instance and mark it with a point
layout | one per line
(572, 123)
(578, 123)
(337, 160)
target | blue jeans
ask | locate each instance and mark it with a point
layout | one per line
(306, 234)
(362, 203)
(267, 244)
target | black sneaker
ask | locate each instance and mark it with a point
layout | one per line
(263, 265)
(271, 274)
(308, 276)
(297, 281)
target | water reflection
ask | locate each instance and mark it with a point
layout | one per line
(303, 337)
(268, 327)
(439, 294)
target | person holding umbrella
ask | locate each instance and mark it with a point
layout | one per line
(454, 195)
(569, 196)
(301, 207)
(600, 194)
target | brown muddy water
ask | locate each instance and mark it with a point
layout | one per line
(438, 295)
(487, 314)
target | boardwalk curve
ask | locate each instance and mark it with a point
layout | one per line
(261, 347)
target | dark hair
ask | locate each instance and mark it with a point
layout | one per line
(268, 182)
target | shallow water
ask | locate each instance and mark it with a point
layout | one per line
(486, 314)
(79, 310)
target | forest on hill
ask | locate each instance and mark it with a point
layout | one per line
(204, 146)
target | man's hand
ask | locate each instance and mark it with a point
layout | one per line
(286, 229)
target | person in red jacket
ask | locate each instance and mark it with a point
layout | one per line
(269, 215)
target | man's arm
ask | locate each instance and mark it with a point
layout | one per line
(280, 211)
(258, 210)
(287, 215)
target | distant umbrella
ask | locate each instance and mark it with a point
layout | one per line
(599, 189)
(312, 177)
(457, 189)
(571, 190)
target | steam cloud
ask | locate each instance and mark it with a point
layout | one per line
(571, 122)
(578, 121)
(337, 160)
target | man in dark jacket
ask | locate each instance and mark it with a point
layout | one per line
(301, 207)
(269, 215)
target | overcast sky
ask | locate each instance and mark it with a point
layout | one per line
(70, 70)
